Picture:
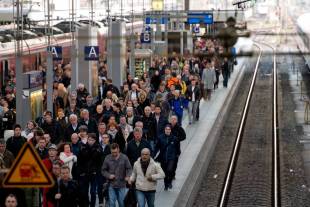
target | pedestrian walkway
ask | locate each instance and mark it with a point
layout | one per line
(198, 143)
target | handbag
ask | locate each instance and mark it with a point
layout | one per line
(130, 199)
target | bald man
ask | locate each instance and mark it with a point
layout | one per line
(145, 174)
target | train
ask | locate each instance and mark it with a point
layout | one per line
(303, 37)
(34, 51)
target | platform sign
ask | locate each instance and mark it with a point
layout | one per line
(91, 53)
(147, 28)
(152, 20)
(146, 38)
(28, 171)
(56, 52)
(196, 29)
(197, 18)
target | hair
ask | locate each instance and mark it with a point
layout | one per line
(102, 124)
(112, 124)
(65, 167)
(137, 129)
(2, 141)
(12, 196)
(114, 146)
(92, 135)
(17, 126)
(58, 162)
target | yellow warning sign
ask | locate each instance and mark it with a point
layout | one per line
(28, 171)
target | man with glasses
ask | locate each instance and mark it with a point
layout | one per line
(145, 174)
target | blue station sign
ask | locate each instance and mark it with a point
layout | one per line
(91, 53)
(56, 52)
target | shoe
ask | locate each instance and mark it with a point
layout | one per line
(166, 188)
(170, 186)
(190, 123)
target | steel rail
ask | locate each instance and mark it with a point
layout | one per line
(234, 157)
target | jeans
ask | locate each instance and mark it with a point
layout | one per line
(192, 111)
(152, 144)
(117, 194)
(92, 180)
(145, 195)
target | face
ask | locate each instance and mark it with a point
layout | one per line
(65, 174)
(123, 120)
(56, 170)
(30, 125)
(17, 131)
(10, 202)
(48, 118)
(52, 153)
(157, 110)
(105, 139)
(173, 120)
(60, 114)
(74, 138)
(67, 148)
(167, 130)
(147, 111)
(112, 128)
(115, 152)
(101, 129)
(47, 138)
(145, 155)
(42, 143)
(91, 141)
(73, 120)
(2, 148)
(99, 109)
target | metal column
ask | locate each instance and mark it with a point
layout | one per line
(19, 69)
(49, 72)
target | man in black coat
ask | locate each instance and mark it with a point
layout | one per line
(89, 122)
(136, 145)
(65, 191)
(53, 128)
(73, 127)
(179, 133)
(16, 142)
(89, 164)
(149, 126)
(160, 122)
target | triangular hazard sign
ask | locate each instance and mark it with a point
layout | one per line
(28, 171)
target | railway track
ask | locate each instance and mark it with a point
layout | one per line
(253, 172)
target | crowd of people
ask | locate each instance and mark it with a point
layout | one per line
(98, 147)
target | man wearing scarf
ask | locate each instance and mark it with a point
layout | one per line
(145, 175)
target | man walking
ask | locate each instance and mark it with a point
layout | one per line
(145, 174)
(117, 169)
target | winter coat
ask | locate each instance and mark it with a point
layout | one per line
(134, 152)
(89, 160)
(154, 170)
(168, 147)
(208, 78)
(14, 144)
(177, 106)
(69, 194)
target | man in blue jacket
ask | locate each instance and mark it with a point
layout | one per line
(168, 147)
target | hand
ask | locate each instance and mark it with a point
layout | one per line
(149, 178)
(58, 196)
(127, 179)
(129, 182)
(112, 177)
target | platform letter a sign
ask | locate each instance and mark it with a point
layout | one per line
(54, 52)
(91, 53)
